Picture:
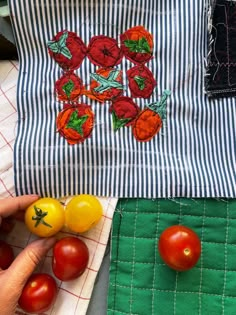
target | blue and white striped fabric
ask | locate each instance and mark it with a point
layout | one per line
(192, 156)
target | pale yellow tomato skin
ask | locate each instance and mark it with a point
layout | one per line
(53, 221)
(82, 213)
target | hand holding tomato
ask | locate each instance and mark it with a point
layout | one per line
(14, 278)
(179, 247)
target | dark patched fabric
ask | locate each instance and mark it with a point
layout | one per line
(221, 69)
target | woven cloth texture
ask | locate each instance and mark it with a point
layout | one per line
(141, 284)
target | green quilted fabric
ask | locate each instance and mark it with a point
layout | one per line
(141, 284)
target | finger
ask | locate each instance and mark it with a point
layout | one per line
(25, 263)
(10, 206)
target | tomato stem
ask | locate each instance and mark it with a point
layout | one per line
(160, 106)
(39, 217)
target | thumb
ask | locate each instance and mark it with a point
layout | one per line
(25, 263)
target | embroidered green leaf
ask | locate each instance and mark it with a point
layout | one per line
(118, 122)
(65, 52)
(39, 217)
(68, 87)
(160, 106)
(53, 46)
(107, 83)
(139, 46)
(59, 47)
(140, 81)
(77, 122)
(62, 39)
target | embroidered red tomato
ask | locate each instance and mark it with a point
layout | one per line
(104, 51)
(179, 247)
(137, 44)
(124, 110)
(141, 81)
(67, 49)
(149, 120)
(75, 123)
(106, 84)
(69, 87)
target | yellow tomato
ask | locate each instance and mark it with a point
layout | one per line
(45, 217)
(82, 213)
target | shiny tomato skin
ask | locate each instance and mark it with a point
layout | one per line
(38, 294)
(70, 258)
(6, 255)
(179, 247)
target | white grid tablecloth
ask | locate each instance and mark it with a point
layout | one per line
(74, 296)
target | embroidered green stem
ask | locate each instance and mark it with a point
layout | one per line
(160, 106)
(118, 122)
(77, 122)
(140, 81)
(39, 217)
(138, 46)
(68, 87)
(59, 47)
(107, 83)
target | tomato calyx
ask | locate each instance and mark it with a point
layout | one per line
(138, 46)
(75, 122)
(39, 217)
(187, 251)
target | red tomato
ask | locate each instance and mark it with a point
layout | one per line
(179, 247)
(70, 258)
(38, 294)
(6, 255)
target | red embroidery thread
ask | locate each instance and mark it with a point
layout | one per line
(68, 50)
(69, 87)
(124, 110)
(141, 81)
(103, 51)
(149, 121)
(137, 44)
(75, 122)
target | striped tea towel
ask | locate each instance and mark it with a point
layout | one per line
(193, 151)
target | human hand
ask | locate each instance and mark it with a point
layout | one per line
(14, 278)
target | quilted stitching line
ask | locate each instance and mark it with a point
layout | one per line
(177, 273)
(201, 261)
(173, 291)
(219, 272)
(134, 255)
(155, 258)
(207, 242)
(226, 260)
(162, 264)
(185, 215)
(121, 312)
(228, 45)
